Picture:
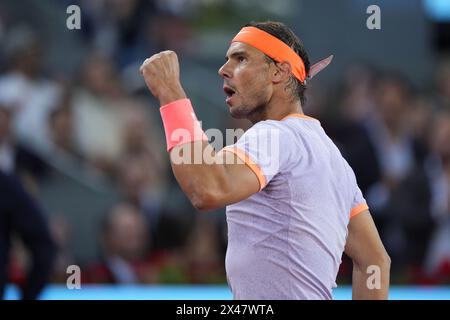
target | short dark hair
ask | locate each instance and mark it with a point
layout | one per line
(282, 32)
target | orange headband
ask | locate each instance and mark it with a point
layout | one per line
(273, 47)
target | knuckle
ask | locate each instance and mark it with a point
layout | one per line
(169, 53)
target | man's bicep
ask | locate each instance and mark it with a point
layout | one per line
(364, 245)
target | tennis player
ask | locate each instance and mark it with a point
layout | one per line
(292, 202)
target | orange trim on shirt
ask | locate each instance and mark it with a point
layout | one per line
(358, 209)
(299, 115)
(250, 163)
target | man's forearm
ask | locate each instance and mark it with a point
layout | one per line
(172, 94)
(193, 164)
(370, 282)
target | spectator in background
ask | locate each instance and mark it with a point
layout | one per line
(169, 30)
(98, 114)
(116, 26)
(142, 140)
(126, 254)
(345, 121)
(20, 214)
(144, 170)
(358, 99)
(389, 133)
(145, 179)
(7, 160)
(421, 120)
(30, 96)
(384, 143)
(203, 257)
(443, 84)
(61, 231)
(16, 158)
(139, 188)
(438, 174)
(124, 247)
(61, 125)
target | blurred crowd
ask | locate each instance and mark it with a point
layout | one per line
(98, 118)
(395, 136)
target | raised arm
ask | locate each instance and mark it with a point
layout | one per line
(209, 179)
(371, 263)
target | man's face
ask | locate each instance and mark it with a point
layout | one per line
(128, 233)
(393, 102)
(247, 81)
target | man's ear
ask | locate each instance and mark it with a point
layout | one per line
(281, 72)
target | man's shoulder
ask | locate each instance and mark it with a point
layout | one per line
(274, 126)
(268, 132)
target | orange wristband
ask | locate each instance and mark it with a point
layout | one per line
(180, 123)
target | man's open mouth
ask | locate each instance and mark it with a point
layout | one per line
(228, 91)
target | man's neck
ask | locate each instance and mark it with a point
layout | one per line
(276, 110)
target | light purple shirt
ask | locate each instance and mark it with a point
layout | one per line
(286, 241)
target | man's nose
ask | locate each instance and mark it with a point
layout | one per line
(225, 71)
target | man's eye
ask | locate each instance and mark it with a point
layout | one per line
(240, 59)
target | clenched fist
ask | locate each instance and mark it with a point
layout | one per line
(162, 75)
